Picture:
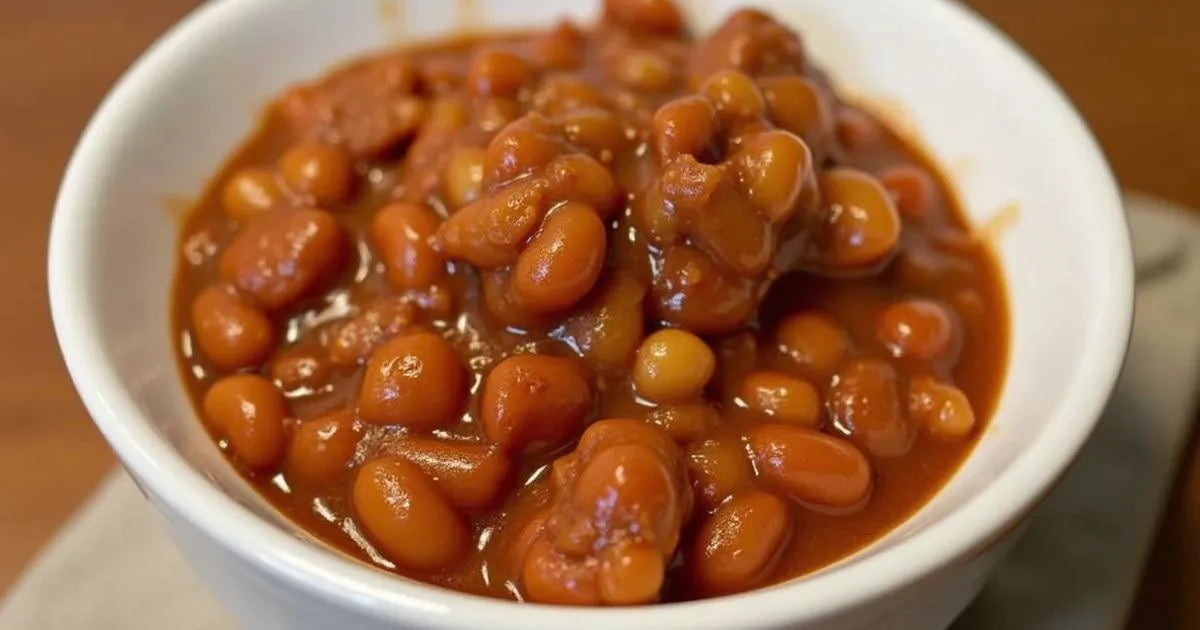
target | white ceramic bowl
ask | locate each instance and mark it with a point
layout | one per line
(978, 103)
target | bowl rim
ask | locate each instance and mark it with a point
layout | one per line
(350, 584)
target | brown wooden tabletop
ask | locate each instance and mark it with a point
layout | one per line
(1129, 66)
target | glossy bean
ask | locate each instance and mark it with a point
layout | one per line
(718, 468)
(321, 172)
(230, 331)
(739, 545)
(249, 193)
(405, 516)
(322, 449)
(864, 403)
(248, 412)
(673, 365)
(782, 397)
(940, 408)
(531, 401)
(562, 261)
(814, 467)
(284, 256)
(414, 380)
(402, 234)
(471, 476)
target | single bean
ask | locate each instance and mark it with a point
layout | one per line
(320, 171)
(322, 449)
(811, 466)
(414, 380)
(673, 365)
(782, 397)
(532, 401)
(248, 412)
(718, 468)
(471, 476)
(562, 261)
(405, 516)
(940, 408)
(284, 256)
(402, 234)
(739, 545)
(230, 331)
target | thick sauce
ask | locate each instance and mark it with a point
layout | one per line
(403, 300)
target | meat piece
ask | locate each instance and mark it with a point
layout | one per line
(368, 108)
(620, 500)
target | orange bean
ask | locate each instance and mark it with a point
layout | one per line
(548, 577)
(685, 126)
(811, 466)
(797, 105)
(772, 169)
(489, 232)
(471, 476)
(495, 112)
(734, 94)
(562, 93)
(684, 422)
(562, 261)
(406, 518)
(660, 17)
(463, 177)
(630, 574)
(673, 365)
(321, 450)
(645, 70)
(414, 380)
(500, 302)
(608, 326)
(862, 227)
(284, 256)
(402, 234)
(621, 499)
(718, 470)
(738, 547)
(497, 73)
(912, 187)
(248, 412)
(352, 341)
(232, 333)
(579, 177)
(682, 191)
(856, 131)
(561, 48)
(529, 532)
(524, 146)
(249, 193)
(941, 408)
(920, 329)
(596, 130)
(301, 366)
(783, 397)
(532, 401)
(864, 403)
(813, 340)
(320, 171)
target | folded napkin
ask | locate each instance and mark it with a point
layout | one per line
(113, 567)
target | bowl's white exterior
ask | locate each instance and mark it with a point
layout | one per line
(975, 101)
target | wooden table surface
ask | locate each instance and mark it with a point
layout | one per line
(1129, 66)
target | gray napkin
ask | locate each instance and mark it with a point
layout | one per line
(1079, 564)
(113, 567)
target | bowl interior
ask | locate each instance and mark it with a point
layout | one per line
(1009, 142)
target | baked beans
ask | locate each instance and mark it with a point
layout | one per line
(602, 314)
